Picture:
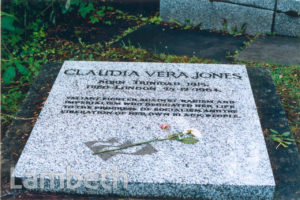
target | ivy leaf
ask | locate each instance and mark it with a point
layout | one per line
(277, 139)
(289, 139)
(110, 8)
(273, 131)
(9, 74)
(273, 136)
(285, 134)
(100, 13)
(288, 142)
(284, 145)
(2, 14)
(7, 23)
(68, 4)
(107, 23)
(188, 140)
(75, 2)
(94, 19)
(23, 70)
(85, 10)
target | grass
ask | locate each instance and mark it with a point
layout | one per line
(286, 80)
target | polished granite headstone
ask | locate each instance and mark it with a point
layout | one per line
(97, 105)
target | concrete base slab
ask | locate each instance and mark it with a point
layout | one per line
(280, 50)
(202, 44)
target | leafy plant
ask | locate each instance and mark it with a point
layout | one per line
(282, 139)
(155, 20)
(188, 24)
(175, 21)
(235, 30)
(85, 8)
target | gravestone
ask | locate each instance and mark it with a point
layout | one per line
(251, 16)
(98, 105)
(287, 18)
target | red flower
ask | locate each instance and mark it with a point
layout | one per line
(164, 126)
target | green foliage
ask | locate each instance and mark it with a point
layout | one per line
(9, 74)
(175, 21)
(22, 40)
(22, 52)
(85, 8)
(10, 32)
(234, 30)
(188, 24)
(11, 100)
(22, 63)
(189, 140)
(184, 138)
(101, 13)
(155, 20)
(88, 10)
(7, 21)
(282, 139)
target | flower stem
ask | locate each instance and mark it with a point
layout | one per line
(131, 145)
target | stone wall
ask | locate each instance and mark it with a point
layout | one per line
(255, 16)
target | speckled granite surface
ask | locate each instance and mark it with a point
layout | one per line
(288, 24)
(267, 4)
(218, 15)
(285, 161)
(227, 164)
(278, 16)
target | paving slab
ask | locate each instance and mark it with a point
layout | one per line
(273, 49)
(285, 161)
(214, 14)
(202, 44)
